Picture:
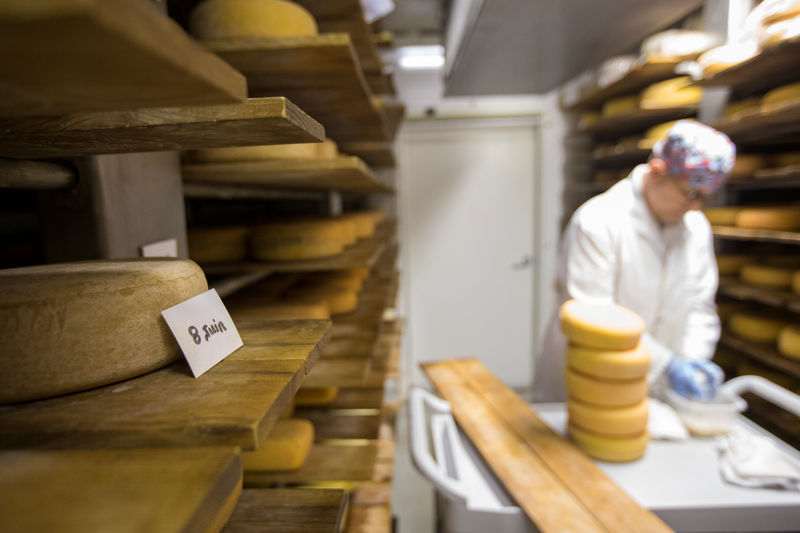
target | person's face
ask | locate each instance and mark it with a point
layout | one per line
(669, 199)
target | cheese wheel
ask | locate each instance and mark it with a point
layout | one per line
(796, 282)
(281, 311)
(722, 216)
(675, 92)
(766, 276)
(746, 165)
(627, 420)
(338, 300)
(609, 448)
(316, 396)
(255, 153)
(609, 327)
(620, 106)
(789, 341)
(285, 448)
(587, 120)
(754, 327)
(362, 272)
(771, 218)
(609, 393)
(781, 31)
(781, 10)
(209, 245)
(236, 19)
(777, 98)
(735, 110)
(726, 56)
(728, 264)
(297, 240)
(352, 281)
(609, 364)
(676, 45)
(75, 326)
(364, 223)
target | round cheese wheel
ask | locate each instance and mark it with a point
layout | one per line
(75, 326)
(364, 223)
(208, 245)
(609, 364)
(349, 229)
(746, 165)
(771, 218)
(675, 92)
(609, 327)
(776, 98)
(754, 327)
(255, 153)
(722, 216)
(608, 393)
(735, 109)
(780, 31)
(609, 448)
(236, 19)
(620, 106)
(316, 396)
(339, 300)
(789, 341)
(352, 281)
(627, 420)
(285, 448)
(297, 240)
(729, 264)
(781, 10)
(281, 311)
(726, 56)
(766, 276)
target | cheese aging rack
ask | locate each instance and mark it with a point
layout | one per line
(102, 100)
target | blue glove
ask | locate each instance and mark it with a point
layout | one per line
(694, 379)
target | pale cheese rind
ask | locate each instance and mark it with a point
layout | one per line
(609, 448)
(609, 327)
(609, 364)
(611, 421)
(606, 393)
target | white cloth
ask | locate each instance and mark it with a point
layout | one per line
(615, 251)
(751, 460)
(663, 423)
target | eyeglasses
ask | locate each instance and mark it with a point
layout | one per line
(692, 195)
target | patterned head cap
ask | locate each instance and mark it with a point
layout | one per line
(697, 154)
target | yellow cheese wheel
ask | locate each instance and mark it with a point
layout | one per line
(675, 92)
(781, 10)
(754, 327)
(255, 153)
(771, 218)
(746, 165)
(783, 30)
(766, 276)
(297, 239)
(339, 300)
(609, 364)
(610, 327)
(604, 392)
(362, 273)
(627, 420)
(676, 45)
(587, 120)
(351, 281)
(722, 216)
(75, 326)
(729, 264)
(736, 109)
(285, 448)
(609, 448)
(208, 245)
(620, 106)
(796, 282)
(656, 132)
(316, 396)
(234, 19)
(789, 341)
(281, 311)
(776, 98)
(364, 223)
(726, 56)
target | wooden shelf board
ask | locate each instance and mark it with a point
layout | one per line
(339, 372)
(771, 68)
(245, 192)
(394, 111)
(232, 284)
(358, 399)
(621, 155)
(380, 83)
(327, 461)
(341, 423)
(638, 78)
(257, 121)
(72, 491)
(75, 56)
(377, 154)
(235, 403)
(292, 510)
(638, 120)
(345, 173)
(36, 175)
(778, 126)
(732, 287)
(786, 237)
(789, 175)
(321, 74)
(764, 353)
(370, 519)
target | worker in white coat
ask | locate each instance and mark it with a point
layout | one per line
(644, 245)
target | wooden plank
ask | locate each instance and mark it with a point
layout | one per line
(35, 175)
(341, 423)
(339, 372)
(764, 353)
(160, 491)
(377, 154)
(239, 192)
(342, 460)
(288, 511)
(637, 121)
(320, 73)
(380, 83)
(764, 127)
(345, 173)
(728, 232)
(370, 519)
(257, 121)
(358, 398)
(393, 111)
(227, 286)
(75, 56)
(782, 299)
(612, 506)
(235, 403)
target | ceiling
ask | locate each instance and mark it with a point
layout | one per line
(531, 46)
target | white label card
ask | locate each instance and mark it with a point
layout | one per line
(204, 330)
(165, 248)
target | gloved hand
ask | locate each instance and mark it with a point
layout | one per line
(694, 379)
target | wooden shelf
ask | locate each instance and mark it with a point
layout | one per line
(638, 78)
(232, 284)
(772, 178)
(235, 403)
(76, 56)
(393, 111)
(775, 66)
(36, 175)
(783, 237)
(327, 461)
(341, 423)
(638, 121)
(778, 126)
(303, 510)
(321, 74)
(377, 154)
(380, 83)
(244, 192)
(339, 372)
(358, 399)
(344, 173)
(781, 299)
(76, 491)
(620, 155)
(764, 353)
(257, 121)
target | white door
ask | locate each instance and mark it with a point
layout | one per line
(466, 194)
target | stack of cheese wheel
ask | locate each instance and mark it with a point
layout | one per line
(297, 239)
(209, 245)
(606, 380)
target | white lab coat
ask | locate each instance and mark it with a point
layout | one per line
(615, 251)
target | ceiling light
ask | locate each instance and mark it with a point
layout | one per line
(420, 57)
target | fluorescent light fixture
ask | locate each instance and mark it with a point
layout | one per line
(420, 57)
